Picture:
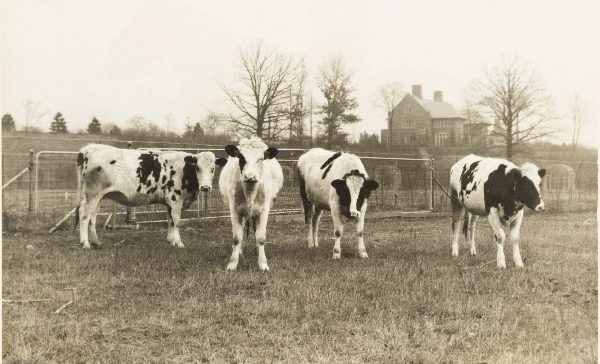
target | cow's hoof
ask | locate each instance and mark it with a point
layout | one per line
(520, 266)
(455, 254)
(336, 256)
(310, 246)
(501, 265)
(263, 267)
(231, 267)
(87, 246)
(364, 255)
(473, 252)
(178, 244)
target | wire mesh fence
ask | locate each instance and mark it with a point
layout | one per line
(405, 185)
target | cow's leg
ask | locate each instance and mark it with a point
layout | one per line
(86, 210)
(174, 209)
(261, 238)
(515, 230)
(360, 231)
(93, 232)
(471, 233)
(309, 213)
(237, 227)
(315, 226)
(338, 227)
(498, 229)
(457, 214)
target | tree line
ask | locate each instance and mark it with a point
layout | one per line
(271, 97)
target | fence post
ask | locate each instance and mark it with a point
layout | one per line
(31, 181)
(130, 215)
(431, 177)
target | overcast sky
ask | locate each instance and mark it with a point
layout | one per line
(116, 59)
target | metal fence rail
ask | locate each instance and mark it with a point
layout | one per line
(405, 185)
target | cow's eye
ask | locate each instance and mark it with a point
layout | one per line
(212, 170)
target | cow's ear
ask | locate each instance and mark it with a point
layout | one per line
(542, 172)
(220, 162)
(271, 153)
(371, 184)
(232, 150)
(338, 183)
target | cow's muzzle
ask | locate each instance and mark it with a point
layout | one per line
(205, 188)
(541, 207)
(354, 214)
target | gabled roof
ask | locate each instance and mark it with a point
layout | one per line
(439, 110)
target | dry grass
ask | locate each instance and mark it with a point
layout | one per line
(143, 301)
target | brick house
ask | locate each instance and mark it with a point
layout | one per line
(416, 121)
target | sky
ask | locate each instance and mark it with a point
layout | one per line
(116, 59)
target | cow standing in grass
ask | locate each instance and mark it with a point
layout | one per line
(337, 182)
(248, 183)
(498, 189)
(136, 178)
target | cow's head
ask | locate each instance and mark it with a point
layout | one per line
(205, 168)
(528, 180)
(251, 154)
(352, 190)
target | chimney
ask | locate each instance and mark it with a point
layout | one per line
(416, 91)
(438, 96)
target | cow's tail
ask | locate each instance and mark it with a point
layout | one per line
(79, 187)
(466, 222)
(305, 203)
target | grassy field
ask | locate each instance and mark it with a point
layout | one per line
(139, 300)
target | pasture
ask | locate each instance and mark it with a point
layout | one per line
(137, 299)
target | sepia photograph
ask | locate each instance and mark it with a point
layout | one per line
(276, 181)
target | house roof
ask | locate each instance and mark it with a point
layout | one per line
(439, 110)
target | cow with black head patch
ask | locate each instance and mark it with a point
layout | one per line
(141, 177)
(498, 189)
(337, 182)
(248, 183)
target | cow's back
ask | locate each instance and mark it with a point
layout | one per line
(319, 167)
(468, 178)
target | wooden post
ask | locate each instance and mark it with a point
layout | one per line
(130, 215)
(31, 180)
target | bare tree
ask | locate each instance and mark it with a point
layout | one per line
(334, 82)
(261, 97)
(386, 98)
(577, 118)
(511, 93)
(33, 114)
(298, 109)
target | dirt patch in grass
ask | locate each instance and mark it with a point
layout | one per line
(140, 300)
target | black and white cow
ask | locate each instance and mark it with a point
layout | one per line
(135, 178)
(337, 182)
(498, 189)
(248, 183)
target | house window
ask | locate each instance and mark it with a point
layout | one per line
(440, 139)
(408, 109)
(408, 123)
(407, 139)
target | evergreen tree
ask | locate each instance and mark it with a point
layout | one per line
(94, 127)
(8, 123)
(335, 85)
(58, 125)
(115, 131)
